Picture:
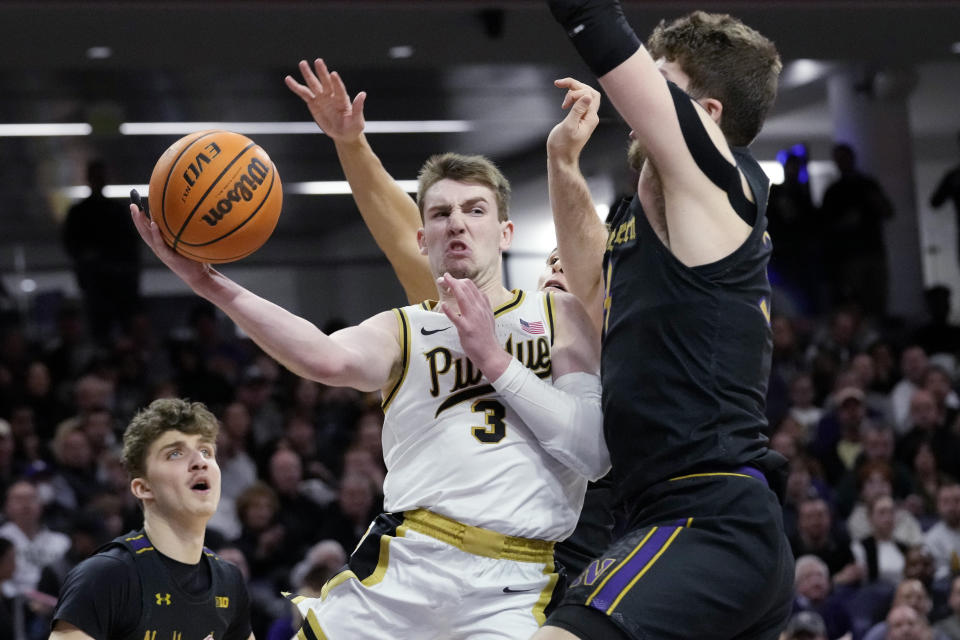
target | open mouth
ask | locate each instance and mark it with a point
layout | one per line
(201, 486)
(554, 284)
(457, 246)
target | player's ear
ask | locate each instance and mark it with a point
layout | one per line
(713, 107)
(140, 488)
(421, 242)
(506, 234)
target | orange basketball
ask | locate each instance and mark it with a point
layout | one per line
(215, 195)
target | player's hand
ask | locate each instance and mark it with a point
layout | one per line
(474, 321)
(189, 271)
(326, 97)
(569, 136)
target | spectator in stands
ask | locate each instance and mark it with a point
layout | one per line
(816, 536)
(299, 513)
(875, 481)
(812, 592)
(950, 626)
(802, 406)
(878, 446)
(913, 365)
(939, 382)
(880, 556)
(943, 539)
(36, 545)
(910, 594)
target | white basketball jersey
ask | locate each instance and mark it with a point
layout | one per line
(454, 446)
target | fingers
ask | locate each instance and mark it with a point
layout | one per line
(323, 75)
(305, 94)
(358, 102)
(338, 89)
(313, 83)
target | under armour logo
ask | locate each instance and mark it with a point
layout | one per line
(162, 598)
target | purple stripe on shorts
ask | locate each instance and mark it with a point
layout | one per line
(625, 574)
(140, 543)
(753, 473)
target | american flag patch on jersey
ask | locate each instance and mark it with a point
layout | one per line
(536, 328)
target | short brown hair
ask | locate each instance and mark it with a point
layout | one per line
(726, 60)
(165, 414)
(470, 169)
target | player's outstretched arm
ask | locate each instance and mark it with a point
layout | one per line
(363, 357)
(564, 416)
(389, 212)
(581, 235)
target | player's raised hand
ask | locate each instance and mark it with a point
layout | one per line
(569, 136)
(190, 271)
(473, 318)
(326, 97)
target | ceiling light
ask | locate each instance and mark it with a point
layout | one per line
(45, 129)
(336, 187)
(400, 51)
(316, 188)
(99, 53)
(294, 128)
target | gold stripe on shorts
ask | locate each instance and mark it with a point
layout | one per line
(478, 541)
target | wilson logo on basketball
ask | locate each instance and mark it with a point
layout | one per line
(242, 190)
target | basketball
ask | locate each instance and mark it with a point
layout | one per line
(215, 195)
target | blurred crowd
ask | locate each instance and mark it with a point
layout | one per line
(865, 408)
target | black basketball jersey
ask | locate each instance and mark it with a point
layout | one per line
(169, 612)
(686, 350)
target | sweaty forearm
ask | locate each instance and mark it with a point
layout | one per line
(390, 214)
(581, 235)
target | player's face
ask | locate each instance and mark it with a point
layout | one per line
(461, 234)
(182, 476)
(552, 277)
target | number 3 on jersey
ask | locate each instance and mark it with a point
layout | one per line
(495, 429)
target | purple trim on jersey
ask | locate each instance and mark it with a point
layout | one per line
(625, 574)
(140, 543)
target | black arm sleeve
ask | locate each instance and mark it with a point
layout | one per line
(240, 628)
(101, 596)
(599, 31)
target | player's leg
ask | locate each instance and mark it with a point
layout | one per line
(728, 564)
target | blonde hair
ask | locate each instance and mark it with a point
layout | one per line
(470, 169)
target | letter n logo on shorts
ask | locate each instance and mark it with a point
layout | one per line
(593, 572)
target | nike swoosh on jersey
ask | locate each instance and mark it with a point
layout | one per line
(509, 590)
(430, 332)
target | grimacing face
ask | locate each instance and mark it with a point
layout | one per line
(461, 233)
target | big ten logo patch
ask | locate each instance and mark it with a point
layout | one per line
(222, 602)
(162, 598)
(593, 572)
